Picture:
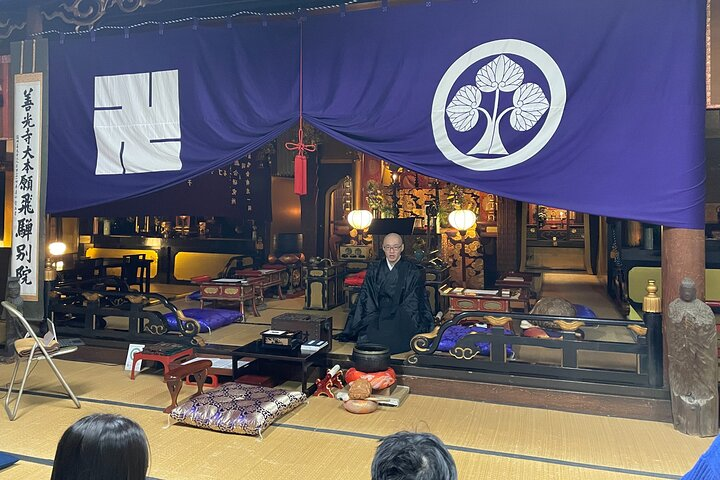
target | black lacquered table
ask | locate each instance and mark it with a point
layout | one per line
(273, 361)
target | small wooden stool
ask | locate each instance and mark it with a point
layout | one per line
(164, 359)
(174, 379)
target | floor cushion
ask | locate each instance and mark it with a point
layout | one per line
(456, 332)
(208, 318)
(6, 460)
(582, 311)
(196, 295)
(356, 279)
(238, 408)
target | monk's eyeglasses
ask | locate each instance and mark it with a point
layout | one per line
(388, 248)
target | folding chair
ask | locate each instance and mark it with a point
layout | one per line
(37, 352)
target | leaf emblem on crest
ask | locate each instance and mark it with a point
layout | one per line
(501, 74)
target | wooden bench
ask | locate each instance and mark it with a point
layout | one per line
(174, 379)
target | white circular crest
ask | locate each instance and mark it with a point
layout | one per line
(558, 97)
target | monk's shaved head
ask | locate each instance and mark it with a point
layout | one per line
(393, 247)
(392, 239)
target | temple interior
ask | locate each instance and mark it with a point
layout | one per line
(271, 292)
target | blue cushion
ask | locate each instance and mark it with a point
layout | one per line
(6, 460)
(455, 332)
(195, 296)
(209, 318)
(708, 465)
(581, 311)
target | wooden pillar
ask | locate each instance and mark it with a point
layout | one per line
(683, 255)
(34, 20)
(507, 241)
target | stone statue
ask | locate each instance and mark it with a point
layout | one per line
(13, 329)
(692, 363)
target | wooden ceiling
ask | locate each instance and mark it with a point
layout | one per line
(70, 15)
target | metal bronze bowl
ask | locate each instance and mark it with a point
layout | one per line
(371, 357)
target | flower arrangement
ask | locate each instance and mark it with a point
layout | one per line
(456, 197)
(375, 196)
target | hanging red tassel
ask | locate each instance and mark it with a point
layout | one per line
(300, 161)
(301, 146)
(300, 174)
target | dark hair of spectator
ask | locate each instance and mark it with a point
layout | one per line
(102, 447)
(416, 456)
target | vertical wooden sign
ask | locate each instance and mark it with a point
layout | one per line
(27, 129)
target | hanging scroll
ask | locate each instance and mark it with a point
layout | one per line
(26, 192)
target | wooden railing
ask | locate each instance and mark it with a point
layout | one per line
(646, 345)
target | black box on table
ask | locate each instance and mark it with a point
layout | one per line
(282, 339)
(317, 327)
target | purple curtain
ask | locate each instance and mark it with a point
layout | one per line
(228, 92)
(596, 106)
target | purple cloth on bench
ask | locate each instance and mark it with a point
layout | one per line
(209, 318)
(582, 311)
(456, 332)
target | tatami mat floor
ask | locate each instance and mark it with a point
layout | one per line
(321, 440)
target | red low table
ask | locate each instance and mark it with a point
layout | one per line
(231, 290)
(157, 357)
(266, 278)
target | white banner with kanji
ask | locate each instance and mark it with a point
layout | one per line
(27, 122)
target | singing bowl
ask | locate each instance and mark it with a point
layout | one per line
(360, 406)
(371, 357)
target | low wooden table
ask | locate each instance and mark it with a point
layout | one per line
(213, 372)
(174, 377)
(158, 357)
(265, 278)
(231, 290)
(466, 300)
(277, 360)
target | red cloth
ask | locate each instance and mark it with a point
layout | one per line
(355, 280)
(200, 279)
(269, 266)
(378, 380)
(300, 174)
(248, 272)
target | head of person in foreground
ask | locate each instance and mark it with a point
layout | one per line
(416, 456)
(102, 447)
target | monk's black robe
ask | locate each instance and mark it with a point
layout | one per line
(392, 307)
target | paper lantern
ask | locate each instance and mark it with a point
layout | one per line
(57, 248)
(462, 219)
(360, 219)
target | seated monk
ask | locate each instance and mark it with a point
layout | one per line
(392, 306)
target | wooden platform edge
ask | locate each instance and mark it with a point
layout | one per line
(439, 385)
(657, 410)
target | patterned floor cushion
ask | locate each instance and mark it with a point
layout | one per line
(209, 318)
(455, 332)
(238, 408)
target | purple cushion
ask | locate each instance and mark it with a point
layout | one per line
(582, 311)
(209, 318)
(456, 332)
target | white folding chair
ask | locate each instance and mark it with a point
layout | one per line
(37, 352)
